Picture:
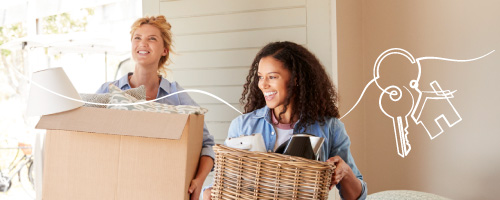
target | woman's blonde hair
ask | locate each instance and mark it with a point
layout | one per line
(161, 23)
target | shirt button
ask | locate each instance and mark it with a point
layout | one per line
(272, 133)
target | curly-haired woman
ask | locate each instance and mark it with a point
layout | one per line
(288, 91)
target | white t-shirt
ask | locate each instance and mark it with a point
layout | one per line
(282, 135)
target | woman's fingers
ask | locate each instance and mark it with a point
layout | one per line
(192, 187)
(207, 195)
(194, 190)
(334, 160)
(195, 195)
(339, 172)
(337, 178)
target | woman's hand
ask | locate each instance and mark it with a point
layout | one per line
(204, 167)
(342, 169)
(195, 189)
(207, 194)
(343, 175)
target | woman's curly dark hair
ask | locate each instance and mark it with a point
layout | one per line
(313, 93)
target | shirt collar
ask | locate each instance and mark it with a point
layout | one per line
(263, 112)
(165, 85)
(124, 84)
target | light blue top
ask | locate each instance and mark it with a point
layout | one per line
(167, 87)
(336, 139)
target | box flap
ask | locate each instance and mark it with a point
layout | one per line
(118, 122)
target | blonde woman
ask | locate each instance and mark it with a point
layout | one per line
(151, 46)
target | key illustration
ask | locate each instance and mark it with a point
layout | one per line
(396, 104)
(404, 99)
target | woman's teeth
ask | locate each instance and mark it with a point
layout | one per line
(143, 52)
(269, 95)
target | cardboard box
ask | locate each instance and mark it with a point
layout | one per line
(96, 153)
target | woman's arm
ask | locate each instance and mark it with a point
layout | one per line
(350, 185)
(204, 167)
(347, 176)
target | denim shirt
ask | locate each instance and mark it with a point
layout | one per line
(336, 139)
(167, 87)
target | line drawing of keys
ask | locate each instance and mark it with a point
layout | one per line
(401, 107)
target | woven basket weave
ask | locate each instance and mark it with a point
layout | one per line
(241, 174)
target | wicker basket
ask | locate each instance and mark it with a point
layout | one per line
(241, 174)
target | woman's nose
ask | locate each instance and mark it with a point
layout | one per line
(264, 83)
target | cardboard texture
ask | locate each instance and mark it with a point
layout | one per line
(95, 153)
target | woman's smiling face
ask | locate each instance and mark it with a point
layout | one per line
(273, 81)
(147, 45)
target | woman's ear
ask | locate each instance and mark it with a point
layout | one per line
(165, 52)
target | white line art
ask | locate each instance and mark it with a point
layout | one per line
(137, 103)
(401, 133)
(439, 95)
(416, 109)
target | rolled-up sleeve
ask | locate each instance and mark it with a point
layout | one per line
(364, 190)
(208, 143)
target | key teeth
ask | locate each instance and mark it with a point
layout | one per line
(408, 149)
(405, 147)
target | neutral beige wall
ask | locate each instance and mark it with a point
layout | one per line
(350, 70)
(464, 161)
